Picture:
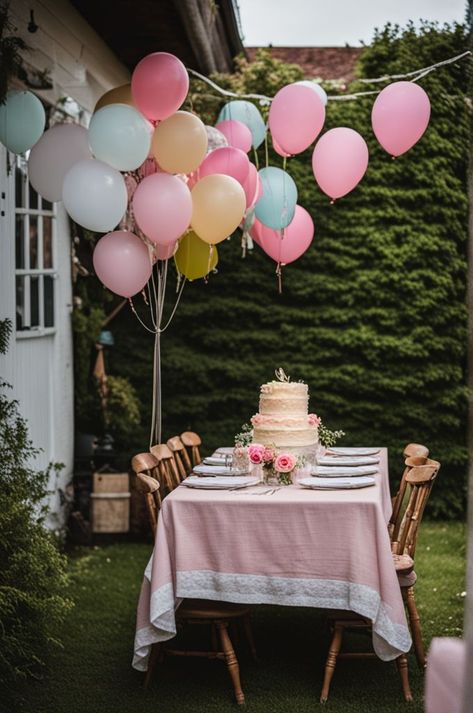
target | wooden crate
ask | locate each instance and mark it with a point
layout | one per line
(110, 501)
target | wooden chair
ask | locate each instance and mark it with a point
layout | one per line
(167, 467)
(183, 463)
(192, 441)
(218, 615)
(419, 479)
(412, 450)
(145, 467)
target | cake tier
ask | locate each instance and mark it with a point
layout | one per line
(284, 432)
(277, 405)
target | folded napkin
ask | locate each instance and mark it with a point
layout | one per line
(214, 460)
(334, 471)
(224, 451)
(337, 483)
(210, 470)
(353, 451)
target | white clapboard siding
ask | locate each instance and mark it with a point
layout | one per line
(81, 64)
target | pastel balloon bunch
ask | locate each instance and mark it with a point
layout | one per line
(159, 183)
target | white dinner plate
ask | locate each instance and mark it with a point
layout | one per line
(221, 470)
(337, 483)
(224, 451)
(347, 460)
(333, 471)
(354, 451)
(194, 481)
(214, 460)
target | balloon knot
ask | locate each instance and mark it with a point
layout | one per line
(332, 202)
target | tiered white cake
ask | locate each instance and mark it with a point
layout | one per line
(283, 420)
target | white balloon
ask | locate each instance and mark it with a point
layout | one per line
(95, 195)
(216, 139)
(120, 136)
(51, 158)
(317, 89)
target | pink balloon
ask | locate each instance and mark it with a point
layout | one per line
(164, 252)
(339, 161)
(159, 85)
(162, 206)
(279, 150)
(227, 160)
(400, 115)
(252, 186)
(237, 134)
(296, 117)
(289, 244)
(122, 262)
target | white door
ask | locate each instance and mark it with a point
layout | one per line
(36, 295)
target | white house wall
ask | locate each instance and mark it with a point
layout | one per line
(40, 368)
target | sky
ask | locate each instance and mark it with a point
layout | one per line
(325, 23)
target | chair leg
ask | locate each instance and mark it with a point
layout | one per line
(331, 662)
(231, 661)
(249, 636)
(154, 657)
(414, 621)
(401, 663)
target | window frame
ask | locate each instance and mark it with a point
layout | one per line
(22, 208)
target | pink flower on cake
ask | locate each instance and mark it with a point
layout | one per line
(314, 420)
(285, 462)
(257, 418)
(255, 453)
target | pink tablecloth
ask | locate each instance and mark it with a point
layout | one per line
(298, 547)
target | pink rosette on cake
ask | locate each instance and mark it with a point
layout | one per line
(314, 420)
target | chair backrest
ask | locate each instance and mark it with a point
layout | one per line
(192, 441)
(419, 480)
(183, 463)
(412, 450)
(145, 467)
(166, 466)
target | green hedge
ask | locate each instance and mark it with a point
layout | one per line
(373, 317)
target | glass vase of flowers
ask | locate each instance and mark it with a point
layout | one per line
(277, 468)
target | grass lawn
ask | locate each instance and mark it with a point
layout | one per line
(92, 672)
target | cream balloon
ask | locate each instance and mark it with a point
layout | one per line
(118, 95)
(180, 143)
(218, 207)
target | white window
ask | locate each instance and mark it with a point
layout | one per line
(35, 258)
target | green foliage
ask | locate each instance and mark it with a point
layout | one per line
(32, 570)
(372, 317)
(10, 48)
(123, 409)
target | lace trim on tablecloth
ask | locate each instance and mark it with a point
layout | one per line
(389, 638)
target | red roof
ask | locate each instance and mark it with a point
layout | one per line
(323, 62)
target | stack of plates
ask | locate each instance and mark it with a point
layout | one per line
(216, 483)
(215, 470)
(337, 483)
(214, 460)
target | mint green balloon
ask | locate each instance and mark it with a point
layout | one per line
(248, 114)
(277, 205)
(120, 136)
(22, 121)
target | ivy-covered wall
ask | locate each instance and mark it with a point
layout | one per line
(373, 317)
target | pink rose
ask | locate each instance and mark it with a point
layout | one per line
(285, 462)
(268, 455)
(255, 452)
(314, 420)
(256, 419)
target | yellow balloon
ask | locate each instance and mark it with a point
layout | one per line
(218, 206)
(194, 258)
(119, 95)
(180, 143)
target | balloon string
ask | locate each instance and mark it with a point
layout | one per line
(284, 161)
(279, 275)
(211, 252)
(255, 153)
(266, 154)
(181, 290)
